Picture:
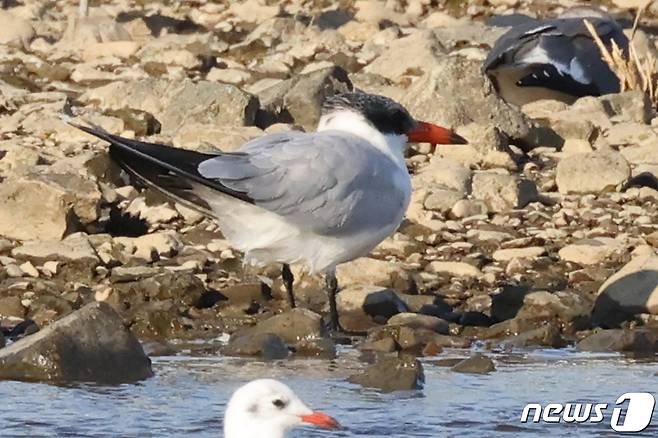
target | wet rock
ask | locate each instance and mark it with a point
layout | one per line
(630, 291)
(385, 345)
(46, 206)
(392, 374)
(643, 341)
(266, 345)
(548, 335)
(363, 307)
(476, 364)
(292, 326)
(574, 173)
(502, 192)
(299, 99)
(455, 93)
(89, 345)
(590, 251)
(419, 321)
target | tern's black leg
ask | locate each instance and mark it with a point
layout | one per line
(331, 286)
(288, 280)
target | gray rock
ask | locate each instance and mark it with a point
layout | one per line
(123, 274)
(548, 335)
(455, 93)
(419, 52)
(392, 374)
(363, 307)
(476, 364)
(299, 99)
(176, 103)
(442, 200)
(503, 192)
(209, 103)
(266, 345)
(89, 345)
(575, 172)
(624, 340)
(292, 326)
(630, 291)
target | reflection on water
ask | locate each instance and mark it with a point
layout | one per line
(188, 395)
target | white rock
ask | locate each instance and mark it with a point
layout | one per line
(531, 252)
(590, 251)
(596, 172)
(15, 31)
(454, 269)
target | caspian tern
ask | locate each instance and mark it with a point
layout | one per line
(267, 408)
(319, 199)
(555, 58)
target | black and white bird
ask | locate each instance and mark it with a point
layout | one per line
(555, 58)
(317, 199)
(267, 408)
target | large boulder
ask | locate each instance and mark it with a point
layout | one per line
(503, 192)
(299, 99)
(419, 52)
(392, 374)
(630, 291)
(89, 345)
(594, 172)
(176, 103)
(15, 31)
(455, 93)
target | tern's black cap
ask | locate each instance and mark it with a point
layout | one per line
(385, 114)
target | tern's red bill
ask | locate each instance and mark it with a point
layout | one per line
(322, 420)
(429, 133)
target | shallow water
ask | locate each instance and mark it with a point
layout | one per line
(188, 394)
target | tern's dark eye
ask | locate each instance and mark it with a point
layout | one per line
(279, 403)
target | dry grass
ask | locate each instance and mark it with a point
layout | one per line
(634, 72)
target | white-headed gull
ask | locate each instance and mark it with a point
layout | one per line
(267, 408)
(319, 199)
(555, 58)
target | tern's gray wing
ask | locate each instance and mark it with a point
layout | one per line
(327, 182)
(559, 54)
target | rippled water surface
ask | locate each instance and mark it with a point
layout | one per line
(188, 394)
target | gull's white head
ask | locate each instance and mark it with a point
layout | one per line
(267, 408)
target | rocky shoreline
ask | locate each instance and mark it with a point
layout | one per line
(542, 232)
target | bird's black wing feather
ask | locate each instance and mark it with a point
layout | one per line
(170, 170)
